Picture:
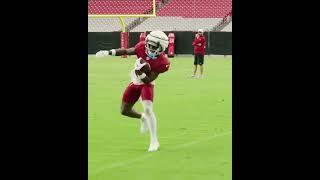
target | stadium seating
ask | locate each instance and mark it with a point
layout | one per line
(197, 9)
(119, 6)
(176, 15)
(171, 24)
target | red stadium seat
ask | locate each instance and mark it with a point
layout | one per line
(185, 8)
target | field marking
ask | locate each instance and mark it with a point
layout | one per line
(173, 136)
(201, 140)
(124, 163)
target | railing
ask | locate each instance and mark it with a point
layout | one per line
(140, 20)
(223, 23)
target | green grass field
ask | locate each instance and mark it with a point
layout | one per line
(194, 123)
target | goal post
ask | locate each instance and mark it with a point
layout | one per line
(102, 8)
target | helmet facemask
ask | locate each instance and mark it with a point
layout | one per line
(153, 49)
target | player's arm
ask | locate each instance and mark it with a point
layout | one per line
(194, 42)
(200, 42)
(116, 52)
(141, 69)
(120, 52)
(204, 42)
(147, 78)
(153, 75)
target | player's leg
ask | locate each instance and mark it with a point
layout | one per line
(201, 62)
(129, 98)
(198, 62)
(127, 110)
(201, 71)
(147, 102)
(195, 63)
(194, 71)
(152, 124)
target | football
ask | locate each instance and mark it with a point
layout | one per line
(146, 68)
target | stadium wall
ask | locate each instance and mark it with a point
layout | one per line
(219, 43)
(102, 40)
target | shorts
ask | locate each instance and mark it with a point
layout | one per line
(198, 59)
(133, 93)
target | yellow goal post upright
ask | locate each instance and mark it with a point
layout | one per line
(125, 35)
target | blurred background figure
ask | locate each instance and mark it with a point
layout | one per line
(199, 44)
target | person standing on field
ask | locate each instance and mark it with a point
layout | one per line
(199, 44)
(152, 53)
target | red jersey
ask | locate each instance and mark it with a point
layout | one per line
(199, 49)
(159, 65)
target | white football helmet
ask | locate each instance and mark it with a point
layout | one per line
(156, 43)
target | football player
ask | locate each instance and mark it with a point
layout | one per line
(149, 52)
